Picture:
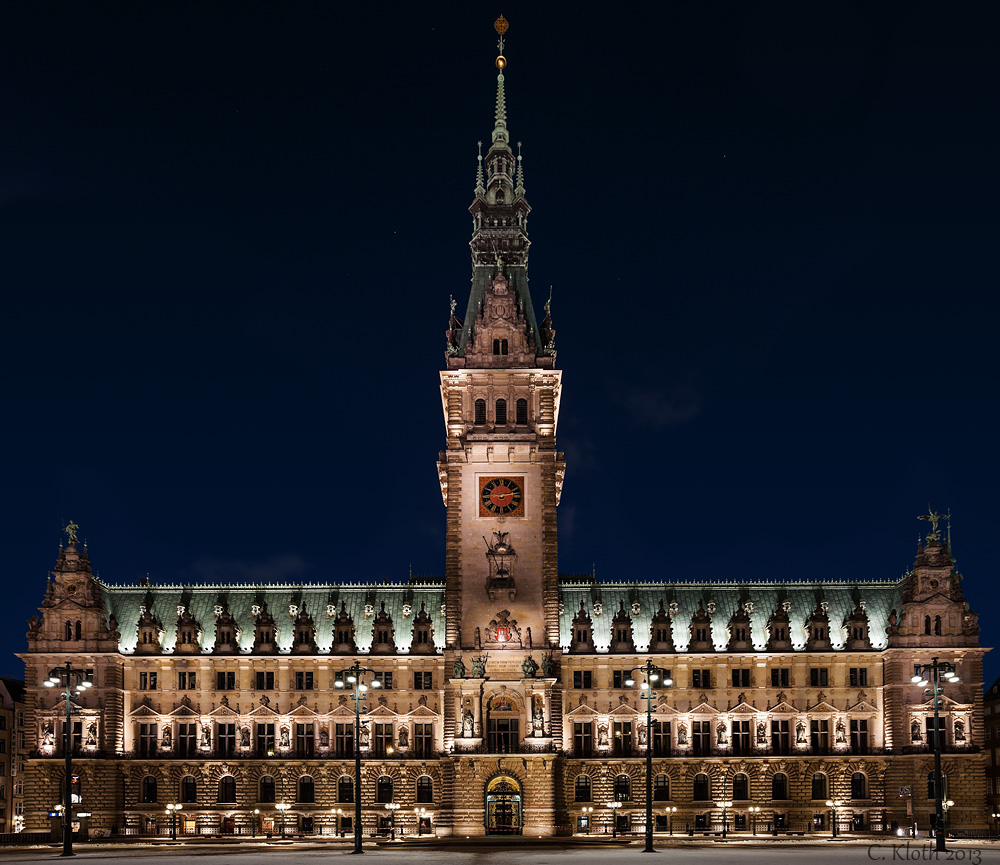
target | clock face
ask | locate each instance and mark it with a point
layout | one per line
(501, 497)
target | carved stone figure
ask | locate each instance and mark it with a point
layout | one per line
(529, 667)
(206, 737)
(165, 742)
(324, 737)
(478, 638)
(642, 734)
(720, 734)
(761, 733)
(468, 724)
(478, 667)
(840, 733)
(602, 736)
(538, 719)
(682, 734)
(548, 666)
(245, 737)
(404, 737)
(284, 738)
(800, 733)
(92, 735)
(915, 731)
(364, 735)
(47, 737)
(458, 669)
(959, 731)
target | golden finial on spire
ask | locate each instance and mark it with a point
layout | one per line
(501, 25)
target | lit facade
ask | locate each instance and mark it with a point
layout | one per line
(504, 705)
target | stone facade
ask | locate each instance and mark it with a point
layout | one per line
(506, 704)
(12, 754)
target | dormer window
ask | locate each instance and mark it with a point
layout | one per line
(343, 636)
(701, 634)
(622, 635)
(303, 636)
(187, 637)
(423, 635)
(502, 410)
(225, 637)
(500, 346)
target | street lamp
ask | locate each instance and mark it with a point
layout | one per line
(754, 811)
(354, 676)
(938, 670)
(614, 806)
(283, 808)
(587, 811)
(670, 814)
(947, 819)
(66, 676)
(392, 808)
(418, 815)
(833, 807)
(725, 805)
(337, 812)
(651, 673)
(172, 810)
(253, 821)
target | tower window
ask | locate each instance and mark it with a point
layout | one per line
(521, 409)
(480, 412)
(499, 346)
(502, 410)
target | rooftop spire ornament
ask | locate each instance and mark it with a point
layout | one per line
(71, 531)
(501, 25)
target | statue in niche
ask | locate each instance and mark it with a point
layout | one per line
(285, 738)
(761, 733)
(364, 735)
(529, 667)
(458, 669)
(602, 736)
(840, 733)
(915, 731)
(642, 734)
(468, 724)
(165, 742)
(324, 738)
(206, 737)
(404, 737)
(959, 731)
(538, 718)
(800, 733)
(478, 667)
(47, 735)
(720, 734)
(548, 666)
(682, 734)
(245, 737)
(92, 735)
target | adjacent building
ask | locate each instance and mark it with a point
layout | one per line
(505, 702)
(12, 754)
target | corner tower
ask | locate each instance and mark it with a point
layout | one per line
(500, 475)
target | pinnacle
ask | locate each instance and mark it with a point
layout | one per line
(500, 127)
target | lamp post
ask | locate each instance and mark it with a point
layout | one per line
(614, 806)
(337, 812)
(996, 821)
(833, 808)
(587, 811)
(754, 811)
(282, 808)
(670, 814)
(172, 810)
(392, 808)
(725, 805)
(938, 670)
(947, 816)
(66, 676)
(354, 676)
(253, 821)
(651, 674)
(418, 815)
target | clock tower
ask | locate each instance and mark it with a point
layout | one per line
(501, 474)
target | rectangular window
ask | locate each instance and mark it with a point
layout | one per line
(304, 680)
(661, 739)
(583, 739)
(622, 739)
(701, 737)
(930, 732)
(3, 746)
(741, 738)
(265, 680)
(859, 677)
(423, 680)
(423, 740)
(781, 677)
(859, 736)
(187, 681)
(147, 740)
(819, 677)
(741, 678)
(583, 679)
(819, 736)
(187, 740)
(619, 677)
(383, 739)
(344, 740)
(265, 740)
(781, 740)
(305, 740)
(225, 681)
(701, 678)
(147, 681)
(385, 679)
(225, 739)
(3, 722)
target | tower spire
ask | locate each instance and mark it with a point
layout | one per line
(500, 125)
(480, 190)
(519, 188)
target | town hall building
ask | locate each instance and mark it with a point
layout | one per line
(503, 698)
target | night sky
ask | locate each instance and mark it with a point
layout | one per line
(229, 233)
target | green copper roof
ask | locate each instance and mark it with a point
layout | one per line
(518, 279)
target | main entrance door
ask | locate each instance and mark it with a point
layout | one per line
(503, 807)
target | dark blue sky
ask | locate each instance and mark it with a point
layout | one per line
(229, 232)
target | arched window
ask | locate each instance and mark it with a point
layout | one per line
(345, 789)
(661, 788)
(383, 789)
(779, 786)
(931, 789)
(79, 628)
(500, 345)
(701, 787)
(227, 790)
(265, 792)
(937, 627)
(307, 790)
(927, 624)
(189, 790)
(481, 415)
(623, 788)
(859, 786)
(68, 631)
(501, 412)
(741, 786)
(425, 789)
(581, 790)
(819, 786)
(148, 789)
(521, 412)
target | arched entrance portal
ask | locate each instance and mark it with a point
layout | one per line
(503, 806)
